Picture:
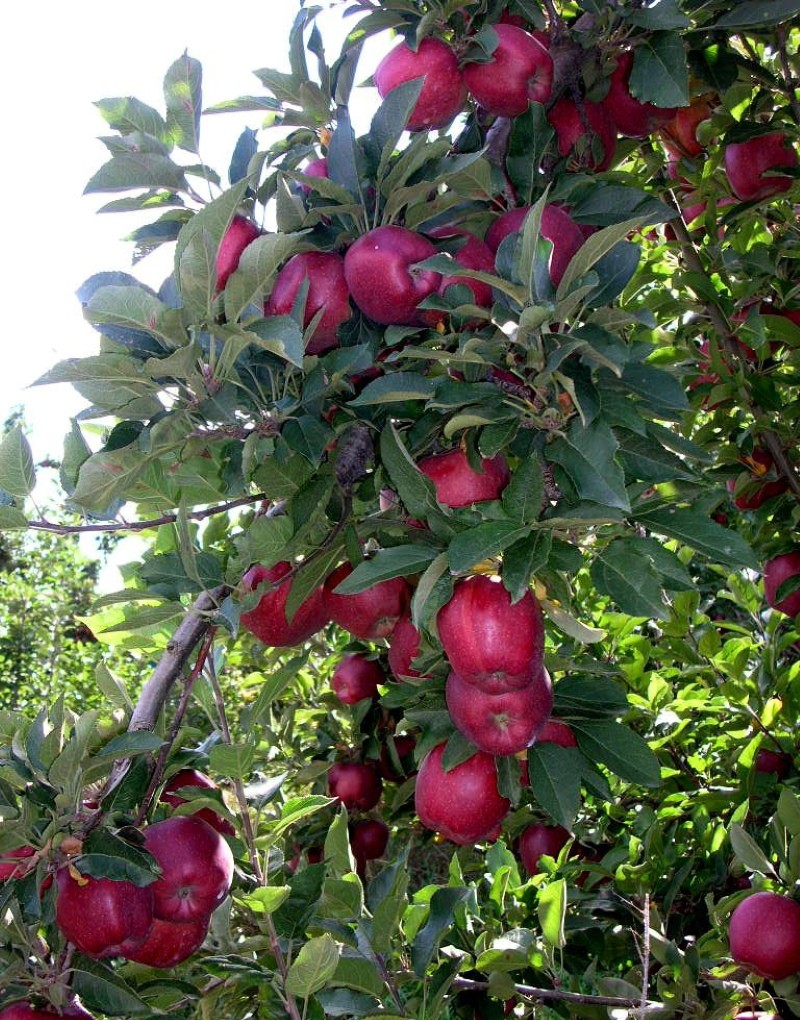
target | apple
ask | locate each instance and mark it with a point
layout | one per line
(355, 785)
(379, 274)
(241, 232)
(196, 868)
(327, 291)
(776, 571)
(404, 744)
(314, 168)
(756, 491)
(747, 162)
(777, 763)
(100, 916)
(473, 254)
(443, 93)
(403, 648)
(368, 840)
(581, 131)
(519, 72)
(370, 614)
(268, 620)
(631, 117)
(463, 804)
(197, 780)
(9, 862)
(356, 677)
(499, 724)
(539, 839)
(557, 226)
(25, 1011)
(680, 133)
(458, 484)
(490, 642)
(169, 943)
(764, 935)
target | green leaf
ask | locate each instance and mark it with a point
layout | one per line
(338, 852)
(523, 560)
(252, 280)
(523, 497)
(17, 473)
(591, 696)
(555, 775)
(592, 250)
(137, 170)
(265, 900)
(758, 14)
(106, 477)
(12, 519)
(266, 539)
(660, 74)
(103, 990)
(664, 15)
(416, 490)
(587, 454)
(127, 115)
(624, 752)
(789, 810)
(485, 541)
(628, 576)
(646, 459)
(442, 915)
(399, 561)
(552, 910)
(183, 95)
(358, 972)
(117, 869)
(698, 531)
(126, 745)
(232, 760)
(395, 388)
(748, 851)
(313, 967)
(567, 623)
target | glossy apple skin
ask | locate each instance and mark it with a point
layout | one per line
(10, 866)
(368, 840)
(458, 484)
(463, 804)
(101, 917)
(443, 94)
(578, 138)
(557, 226)
(764, 935)
(168, 944)
(24, 1011)
(519, 72)
(776, 571)
(198, 780)
(196, 868)
(268, 620)
(555, 731)
(631, 117)
(777, 763)
(314, 168)
(746, 162)
(757, 491)
(356, 677)
(236, 238)
(536, 840)
(680, 133)
(355, 785)
(327, 290)
(403, 648)
(489, 642)
(381, 282)
(369, 614)
(499, 724)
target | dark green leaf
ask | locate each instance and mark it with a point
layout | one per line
(697, 530)
(758, 14)
(588, 696)
(660, 74)
(627, 575)
(103, 990)
(442, 914)
(620, 749)
(555, 775)
(399, 561)
(483, 542)
(395, 388)
(128, 744)
(588, 457)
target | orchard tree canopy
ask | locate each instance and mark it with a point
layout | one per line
(466, 454)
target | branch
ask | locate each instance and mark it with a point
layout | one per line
(790, 81)
(558, 995)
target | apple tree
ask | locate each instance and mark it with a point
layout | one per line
(465, 449)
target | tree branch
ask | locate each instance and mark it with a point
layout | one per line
(789, 79)
(556, 994)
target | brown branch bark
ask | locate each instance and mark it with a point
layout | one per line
(790, 82)
(557, 995)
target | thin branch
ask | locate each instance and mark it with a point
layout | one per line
(790, 81)
(557, 995)
(645, 955)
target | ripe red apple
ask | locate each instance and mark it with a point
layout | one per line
(403, 648)
(102, 917)
(764, 935)
(491, 643)
(747, 162)
(463, 804)
(355, 785)
(25, 1011)
(368, 840)
(473, 254)
(370, 614)
(757, 491)
(458, 484)
(377, 269)
(632, 118)
(268, 620)
(556, 731)
(540, 839)
(499, 724)
(519, 72)
(197, 780)
(557, 226)
(314, 168)
(581, 132)
(443, 93)
(327, 291)
(356, 677)
(236, 238)
(680, 133)
(10, 866)
(196, 868)
(777, 763)
(776, 571)
(168, 943)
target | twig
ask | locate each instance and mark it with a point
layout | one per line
(556, 994)
(645, 955)
(789, 79)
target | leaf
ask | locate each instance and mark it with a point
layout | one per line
(758, 14)
(183, 95)
(660, 74)
(399, 561)
(338, 852)
(591, 696)
(395, 388)
(126, 745)
(416, 490)
(442, 914)
(127, 114)
(646, 459)
(266, 539)
(523, 497)
(103, 990)
(17, 473)
(631, 580)
(748, 851)
(313, 967)
(588, 456)
(137, 170)
(624, 752)
(592, 250)
(567, 623)
(265, 900)
(483, 542)
(555, 775)
(665, 14)
(697, 530)
(234, 761)
(552, 911)
(523, 560)
(259, 263)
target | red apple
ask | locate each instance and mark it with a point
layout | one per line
(25, 1011)
(196, 868)
(473, 254)
(680, 133)
(377, 268)
(537, 840)
(491, 643)
(403, 648)
(327, 292)
(370, 614)
(236, 238)
(458, 484)
(776, 571)
(632, 118)
(557, 226)
(556, 731)
(581, 131)
(443, 93)
(268, 620)
(197, 780)
(355, 785)
(102, 917)
(10, 866)
(519, 72)
(747, 162)
(764, 935)
(314, 168)
(168, 944)
(368, 840)
(777, 763)
(756, 491)
(356, 677)
(463, 804)
(499, 724)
